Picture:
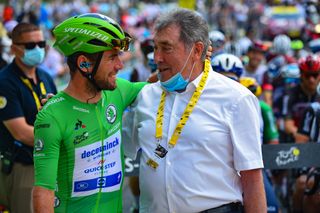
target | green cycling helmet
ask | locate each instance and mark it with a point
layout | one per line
(90, 33)
(297, 44)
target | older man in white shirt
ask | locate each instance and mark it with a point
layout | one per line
(198, 130)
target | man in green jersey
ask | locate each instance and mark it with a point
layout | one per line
(270, 132)
(78, 148)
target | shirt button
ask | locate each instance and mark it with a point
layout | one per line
(169, 163)
(168, 189)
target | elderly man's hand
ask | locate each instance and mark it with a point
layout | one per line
(44, 100)
(209, 53)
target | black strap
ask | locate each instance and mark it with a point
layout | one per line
(227, 208)
(90, 76)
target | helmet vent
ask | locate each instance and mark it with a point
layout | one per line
(71, 40)
(96, 42)
(116, 26)
(109, 32)
(92, 24)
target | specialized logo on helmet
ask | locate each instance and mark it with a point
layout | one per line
(86, 32)
(111, 113)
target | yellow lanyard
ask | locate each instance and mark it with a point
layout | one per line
(187, 112)
(35, 96)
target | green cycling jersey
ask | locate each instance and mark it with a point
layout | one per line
(270, 131)
(78, 150)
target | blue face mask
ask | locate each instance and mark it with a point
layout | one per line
(177, 82)
(33, 57)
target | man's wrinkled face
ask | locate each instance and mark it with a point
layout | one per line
(170, 53)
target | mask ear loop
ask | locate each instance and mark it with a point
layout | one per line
(186, 60)
(191, 71)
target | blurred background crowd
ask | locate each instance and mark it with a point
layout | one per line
(277, 41)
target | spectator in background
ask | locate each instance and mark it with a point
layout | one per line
(8, 13)
(3, 62)
(6, 54)
(255, 68)
(22, 85)
(277, 57)
(141, 70)
(307, 184)
(217, 40)
(9, 25)
(270, 136)
(228, 65)
(281, 46)
(30, 13)
(246, 41)
(54, 62)
(301, 95)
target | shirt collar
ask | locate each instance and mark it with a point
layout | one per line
(193, 84)
(16, 69)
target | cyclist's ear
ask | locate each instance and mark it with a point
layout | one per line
(84, 64)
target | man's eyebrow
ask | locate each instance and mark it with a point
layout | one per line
(165, 43)
(112, 55)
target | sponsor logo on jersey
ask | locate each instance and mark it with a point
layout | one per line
(97, 183)
(79, 125)
(82, 186)
(107, 146)
(100, 167)
(79, 138)
(111, 113)
(97, 166)
(38, 146)
(80, 109)
(114, 128)
(54, 101)
(42, 126)
(3, 102)
(56, 202)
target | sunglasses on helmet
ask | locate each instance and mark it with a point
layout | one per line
(309, 75)
(121, 44)
(32, 45)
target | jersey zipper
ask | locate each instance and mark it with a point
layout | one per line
(102, 155)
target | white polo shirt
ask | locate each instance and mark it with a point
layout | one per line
(220, 138)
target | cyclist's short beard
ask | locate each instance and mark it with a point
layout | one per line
(102, 84)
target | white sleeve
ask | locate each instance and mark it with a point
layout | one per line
(245, 124)
(130, 141)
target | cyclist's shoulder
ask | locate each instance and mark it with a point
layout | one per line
(59, 100)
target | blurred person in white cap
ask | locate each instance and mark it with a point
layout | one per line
(9, 25)
(217, 40)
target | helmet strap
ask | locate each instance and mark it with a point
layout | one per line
(90, 75)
